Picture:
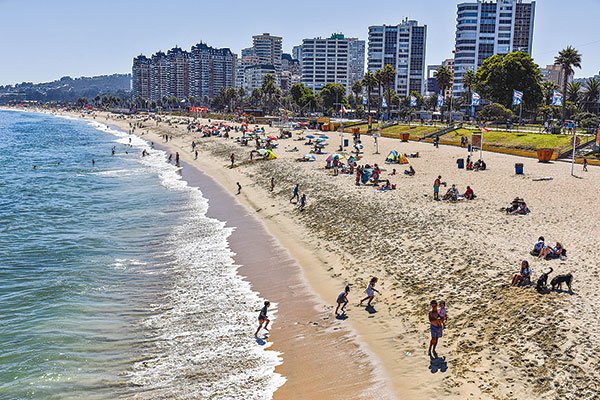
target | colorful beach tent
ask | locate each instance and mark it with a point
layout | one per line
(393, 157)
(269, 155)
(403, 159)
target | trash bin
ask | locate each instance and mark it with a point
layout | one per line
(469, 148)
(345, 142)
(519, 169)
(461, 163)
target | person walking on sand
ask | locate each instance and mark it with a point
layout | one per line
(296, 193)
(177, 158)
(196, 155)
(436, 187)
(585, 163)
(370, 291)
(239, 187)
(232, 157)
(263, 319)
(302, 201)
(272, 184)
(342, 300)
(435, 328)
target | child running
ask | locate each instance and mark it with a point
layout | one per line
(342, 300)
(262, 317)
(370, 291)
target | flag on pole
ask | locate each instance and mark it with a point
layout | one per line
(475, 99)
(517, 98)
(343, 110)
(364, 100)
(440, 100)
(383, 103)
(413, 101)
(557, 98)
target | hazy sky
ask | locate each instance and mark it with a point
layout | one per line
(42, 40)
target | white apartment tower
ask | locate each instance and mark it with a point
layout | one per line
(403, 47)
(336, 59)
(268, 49)
(486, 28)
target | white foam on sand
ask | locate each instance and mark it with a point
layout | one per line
(200, 333)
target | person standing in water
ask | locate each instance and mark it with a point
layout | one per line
(239, 187)
(263, 319)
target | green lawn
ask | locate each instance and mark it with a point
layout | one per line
(514, 140)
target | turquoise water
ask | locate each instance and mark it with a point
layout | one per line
(102, 271)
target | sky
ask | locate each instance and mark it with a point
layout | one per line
(43, 40)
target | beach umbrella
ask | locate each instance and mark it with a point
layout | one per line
(321, 140)
(324, 137)
(310, 136)
(358, 146)
(262, 152)
(271, 137)
(310, 157)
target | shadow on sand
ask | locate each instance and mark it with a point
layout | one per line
(437, 364)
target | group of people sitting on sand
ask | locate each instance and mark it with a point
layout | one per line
(478, 165)
(548, 252)
(517, 207)
(453, 195)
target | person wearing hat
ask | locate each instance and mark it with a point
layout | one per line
(435, 327)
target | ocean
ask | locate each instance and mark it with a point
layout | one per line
(113, 281)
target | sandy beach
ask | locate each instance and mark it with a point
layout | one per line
(500, 342)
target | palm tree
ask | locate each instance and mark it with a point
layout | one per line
(357, 88)
(388, 77)
(591, 94)
(444, 79)
(369, 81)
(269, 88)
(379, 78)
(567, 58)
(469, 80)
(574, 93)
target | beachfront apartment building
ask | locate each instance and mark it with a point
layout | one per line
(265, 56)
(200, 74)
(268, 49)
(336, 59)
(403, 47)
(486, 28)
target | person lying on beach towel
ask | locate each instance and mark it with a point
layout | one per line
(553, 253)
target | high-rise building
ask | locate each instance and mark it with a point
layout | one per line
(403, 47)
(268, 49)
(264, 57)
(486, 28)
(297, 53)
(201, 73)
(554, 73)
(142, 84)
(336, 59)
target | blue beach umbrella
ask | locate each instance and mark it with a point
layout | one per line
(310, 136)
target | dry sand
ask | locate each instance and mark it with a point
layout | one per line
(500, 342)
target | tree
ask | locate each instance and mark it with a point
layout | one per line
(333, 95)
(357, 88)
(388, 78)
(379, 78)
(567, 59)
(499, 75)
(548, 88)
(591, 94)
(369, 81)
(444, 78)
(269, 89)
(303, 96)
(469, 79)
(495, 112)
(573, 93)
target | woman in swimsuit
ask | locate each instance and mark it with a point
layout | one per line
(435, 327)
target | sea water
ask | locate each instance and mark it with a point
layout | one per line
(113, 282)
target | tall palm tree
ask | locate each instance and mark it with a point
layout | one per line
(357, 88)
(379, 78)
(468, 81)
(369, 81)
(444, 79)
(269, 88)
(388, 78)
(592, 94)
(567, 59)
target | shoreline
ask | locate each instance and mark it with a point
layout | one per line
(502, 342)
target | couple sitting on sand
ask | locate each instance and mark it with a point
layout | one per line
(453, 195)
(547, 252)
(518, 207)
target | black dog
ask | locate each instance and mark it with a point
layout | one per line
(542, 283)
(558, 280)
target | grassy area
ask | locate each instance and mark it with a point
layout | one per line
(416, 132)
(513, 140)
